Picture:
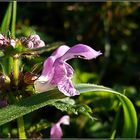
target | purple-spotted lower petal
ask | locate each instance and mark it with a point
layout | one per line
(67, 88)
(69, 69)
(59, 72)
(62, 78)
(56, 131)
(80, 51)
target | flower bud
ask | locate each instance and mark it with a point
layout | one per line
(12, 42)
(1, 39)
(29, 78)
(30, 44)
(39, 44)
(33, 41)
(4, 41)
(34, 38)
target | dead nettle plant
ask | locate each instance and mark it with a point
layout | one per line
(22, 92)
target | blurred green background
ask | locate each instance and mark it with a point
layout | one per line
(113, 28)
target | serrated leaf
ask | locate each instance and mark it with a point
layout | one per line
(130, 116)
(28, 105)
(63, 106)
(69, 105)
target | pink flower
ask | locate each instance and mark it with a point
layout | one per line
(56, 131)
(57, 73)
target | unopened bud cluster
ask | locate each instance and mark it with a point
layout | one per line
(33, 41)
(4, 41)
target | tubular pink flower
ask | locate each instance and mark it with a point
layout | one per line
(57, 73)
(56, 131)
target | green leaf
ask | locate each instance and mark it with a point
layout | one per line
(41, 125)
(6, 64)
(14, 12)
(130, 116)
(69, 105)
(54, 97)
(28, 105)
(6, 20)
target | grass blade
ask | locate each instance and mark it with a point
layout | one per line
(13, 25)
(6, 20)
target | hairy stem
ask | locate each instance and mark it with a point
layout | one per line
(20, 121)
